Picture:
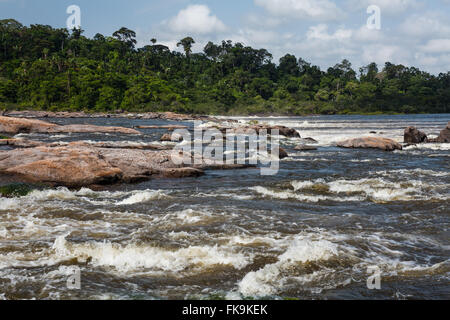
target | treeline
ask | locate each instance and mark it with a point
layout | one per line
(53, 69)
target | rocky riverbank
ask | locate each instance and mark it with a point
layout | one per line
(87, 163)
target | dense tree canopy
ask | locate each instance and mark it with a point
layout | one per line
(53, 69)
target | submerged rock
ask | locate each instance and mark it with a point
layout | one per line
(310, 140)
(371, 142)
(305, 148)
(413, 136)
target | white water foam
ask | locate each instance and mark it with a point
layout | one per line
(289, 194)
(428, 146)
(85, 194)
(140, 258)
(376, 189)
(8, 204)
(143, 196)
(268, 280)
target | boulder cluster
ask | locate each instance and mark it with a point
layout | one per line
(414, 136)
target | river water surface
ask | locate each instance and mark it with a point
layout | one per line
(309, 232)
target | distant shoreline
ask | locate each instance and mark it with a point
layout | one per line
(172, 115)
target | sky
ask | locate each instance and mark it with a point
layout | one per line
(323, 32)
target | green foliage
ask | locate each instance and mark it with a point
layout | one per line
(52, 69)
(16, 190)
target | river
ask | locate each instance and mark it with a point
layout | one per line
(309, 232)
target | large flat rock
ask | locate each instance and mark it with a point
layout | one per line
(79, 164)
(384, 144)
(13, 126)
(16, 125)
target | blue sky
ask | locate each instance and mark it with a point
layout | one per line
(413, 32)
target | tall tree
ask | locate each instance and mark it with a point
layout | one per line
(186, 43)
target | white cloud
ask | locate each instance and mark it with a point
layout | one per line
(196, 19)
(382, 53)
(437, 46)
(320, 32)
(426, 25)
(310, 9)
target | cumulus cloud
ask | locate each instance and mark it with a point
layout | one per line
(300, 9)
(196, 19)
(414, 36)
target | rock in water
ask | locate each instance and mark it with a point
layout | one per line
(285, 131)
(371, 142)
(81, 128)
(282, 130)
(310, 140)
(169, 137)
(18, 125)
(444, 137)
(63, 166)
(79, 164)
(413, 136)
(282, 154)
